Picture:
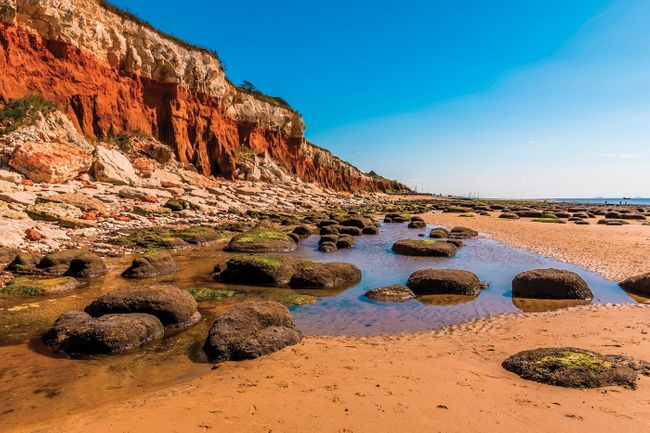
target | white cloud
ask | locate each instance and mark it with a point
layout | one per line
(621, 156)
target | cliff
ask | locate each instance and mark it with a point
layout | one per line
(112, 73)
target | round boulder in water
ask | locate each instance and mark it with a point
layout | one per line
(639, 285)
(575, 368)
(421, 247)
(444, 282)
(151, 265)
(550, 284)
(77, 334)
(250, 330)
(330, 275)
(258, 270)
(175, 308)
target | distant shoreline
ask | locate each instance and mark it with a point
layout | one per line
(605, 200)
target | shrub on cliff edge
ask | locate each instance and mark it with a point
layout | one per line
(23, 111)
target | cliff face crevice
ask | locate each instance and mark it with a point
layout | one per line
(112, 75)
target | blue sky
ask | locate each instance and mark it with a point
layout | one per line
(505, 98)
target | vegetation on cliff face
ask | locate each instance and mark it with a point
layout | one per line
(23, 112)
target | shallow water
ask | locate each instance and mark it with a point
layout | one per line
(37, 386)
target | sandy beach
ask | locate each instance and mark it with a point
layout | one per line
(448, 380)
(614, 252)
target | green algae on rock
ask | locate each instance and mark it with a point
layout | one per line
(262, 240)
(26, 286)
(210, 294)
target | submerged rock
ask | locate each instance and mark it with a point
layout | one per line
(550, 284)
(77, 334)
(576, 368)
(175, 308)
(250, 330)
(444, 282)
(421, 247)
(262, 240)
(151, 265)
(394, 293)
(26, 286)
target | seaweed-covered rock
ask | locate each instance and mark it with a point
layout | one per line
(394, 293)
(438, 233)
(421, 247)
(329, 230)
(27, 286)
(462, 233)
(262, 240)
(250, 330)
(151, 265)
(210, 294)
(258, 270)
(330, 275)
(175, 308)
(639, 284)
(550, 284)
(328, 238)
(576, 368)
(302, 231)
(444, 282)
(78, 334)
(24, 263)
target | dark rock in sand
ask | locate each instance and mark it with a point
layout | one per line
(639, 285)
(250, 330)
(529, 214)
(395, 293)
(327, 223)
(258, 270)
(419, 247)
(77, 334)
(576, 368)
(550, 284)
(509, 216)
(175, 308)
(582, 223)
(327, 247)
(312, 275)
(151, 265)
(439, 233)
(462, 233)
(262, 240)
(444, 282)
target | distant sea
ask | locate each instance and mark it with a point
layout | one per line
(610, 200)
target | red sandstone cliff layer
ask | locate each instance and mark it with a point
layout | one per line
(197, 121)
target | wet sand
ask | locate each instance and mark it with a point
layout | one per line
(448, 380)
(615, 252)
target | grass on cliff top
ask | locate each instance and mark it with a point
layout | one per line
(23, 112)
(273, 100)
